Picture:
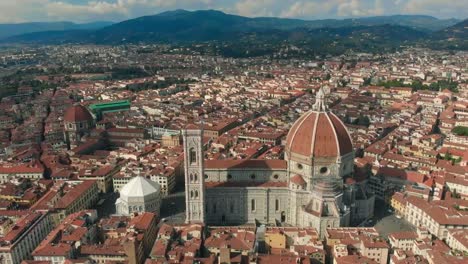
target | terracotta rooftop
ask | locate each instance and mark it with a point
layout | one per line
(319, 134)
(298, 180)
(77, 113)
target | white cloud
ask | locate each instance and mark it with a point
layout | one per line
(12, 12)
(360, 8)
(255, 8)
(334, 8)
(309, 8)
(89, 10)
(440, 8)
(94, 9)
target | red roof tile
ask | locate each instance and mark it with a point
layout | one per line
(77, 113)
(319, 134)
(298, 180)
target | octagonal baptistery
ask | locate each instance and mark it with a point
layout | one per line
(139, 195)
(318, 145)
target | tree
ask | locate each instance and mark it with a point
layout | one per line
(460, 131)
(367, 81)
(448, 156)
(362, 121)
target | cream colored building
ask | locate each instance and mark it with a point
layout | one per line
(119, 182)
(166, 180)
(10, 172)
(458, 240)
(65, 198)
(437, 216)
(366, 242)
(32, 227)
(458, 185)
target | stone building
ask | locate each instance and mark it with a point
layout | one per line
(20, 233)
(305, 190)
(139, 195)
(78, 122)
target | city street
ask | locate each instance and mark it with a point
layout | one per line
(107, 207)
(386, 222)
(390, 224)
(173, 208)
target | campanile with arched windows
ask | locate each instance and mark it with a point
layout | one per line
(194, 171)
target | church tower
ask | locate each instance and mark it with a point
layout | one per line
(194, 175)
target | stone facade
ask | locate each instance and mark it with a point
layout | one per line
(304, 190)
(194, 179)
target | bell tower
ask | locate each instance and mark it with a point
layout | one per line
(194, 175)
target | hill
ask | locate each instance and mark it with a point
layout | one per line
(9, 30)
(208, 25)
(418, 22)
(457, 31)
(454, 37)
(181, 25)
(243, 36)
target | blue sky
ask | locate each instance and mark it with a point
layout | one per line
(13, 11)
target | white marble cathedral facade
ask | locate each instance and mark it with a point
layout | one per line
(305, 190)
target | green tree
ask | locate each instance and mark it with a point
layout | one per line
(460, 131)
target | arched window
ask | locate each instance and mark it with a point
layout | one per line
(191, 177)
(277, 205)
(195, 178)
(252, 205)
(192, 156)
(196, 194)
(191, 194)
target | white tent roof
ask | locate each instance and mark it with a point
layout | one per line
(139, 187)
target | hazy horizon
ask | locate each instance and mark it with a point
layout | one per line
(305, 19)
(84, 11)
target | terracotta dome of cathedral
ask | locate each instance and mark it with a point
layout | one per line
(77, 113)
(319, 133)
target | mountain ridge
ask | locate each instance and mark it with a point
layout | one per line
(453, 37)
(13, 29)
(419, 22)
(181, 26)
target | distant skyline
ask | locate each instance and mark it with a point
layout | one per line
(16, 11)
